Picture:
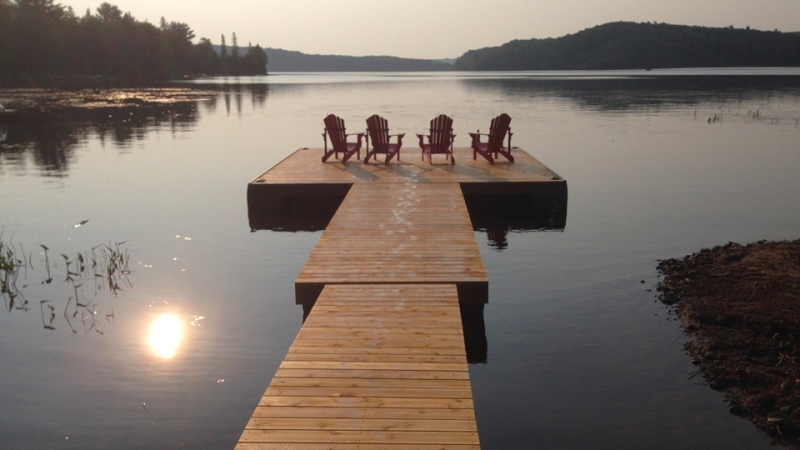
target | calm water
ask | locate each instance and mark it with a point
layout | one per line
(580, 353)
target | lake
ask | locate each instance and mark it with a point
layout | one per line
(580, 351)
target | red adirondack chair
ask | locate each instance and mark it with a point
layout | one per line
(378, 130)
(334, 129)
(440, 141)
(497, 132)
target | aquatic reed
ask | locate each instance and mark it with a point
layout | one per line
(104, 267)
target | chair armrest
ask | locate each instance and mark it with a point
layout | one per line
(476, 137)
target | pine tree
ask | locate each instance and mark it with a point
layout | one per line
(223, 56)
(235, 63)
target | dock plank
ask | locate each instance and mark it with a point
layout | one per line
(397, 233)
(358, 437)
(374, 366)
(335, 446)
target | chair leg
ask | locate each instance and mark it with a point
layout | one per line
(347, 156)
(390, 155)
(487, 155)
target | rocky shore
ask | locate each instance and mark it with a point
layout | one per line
(740, 304)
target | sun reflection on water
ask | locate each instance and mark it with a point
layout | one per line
(166, 333)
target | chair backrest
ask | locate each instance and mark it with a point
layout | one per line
(498, 130)
(378, 129)
(441, 133)
(335, 129)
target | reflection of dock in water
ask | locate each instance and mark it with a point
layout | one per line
(381, 357)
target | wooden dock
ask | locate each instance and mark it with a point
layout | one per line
(416, 233)
(380, 360)
(302, 194)
(302, 170)
(374, 366)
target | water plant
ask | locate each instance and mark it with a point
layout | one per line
(10, 264)
(104, 267)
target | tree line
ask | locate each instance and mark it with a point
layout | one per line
(40, 38)
(293, 61)
(628, 45)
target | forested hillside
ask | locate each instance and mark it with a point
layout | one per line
(628, 45)
(291, 61)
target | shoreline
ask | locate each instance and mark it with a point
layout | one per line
(38, 100)
(740, 305)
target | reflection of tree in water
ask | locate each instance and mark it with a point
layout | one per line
(49, 144)
(122, 127)
(50, 138)
(634, 93)
(237, 95)
(258, 96)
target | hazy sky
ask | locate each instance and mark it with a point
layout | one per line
(434, 28)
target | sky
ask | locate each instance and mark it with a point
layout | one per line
(433, 29)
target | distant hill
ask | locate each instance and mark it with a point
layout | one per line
(291, 61)
(628, 45)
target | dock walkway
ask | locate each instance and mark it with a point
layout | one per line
(374, 366)
(416, 233)
(380, 360)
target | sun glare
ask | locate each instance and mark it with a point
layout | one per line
(165, 335)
